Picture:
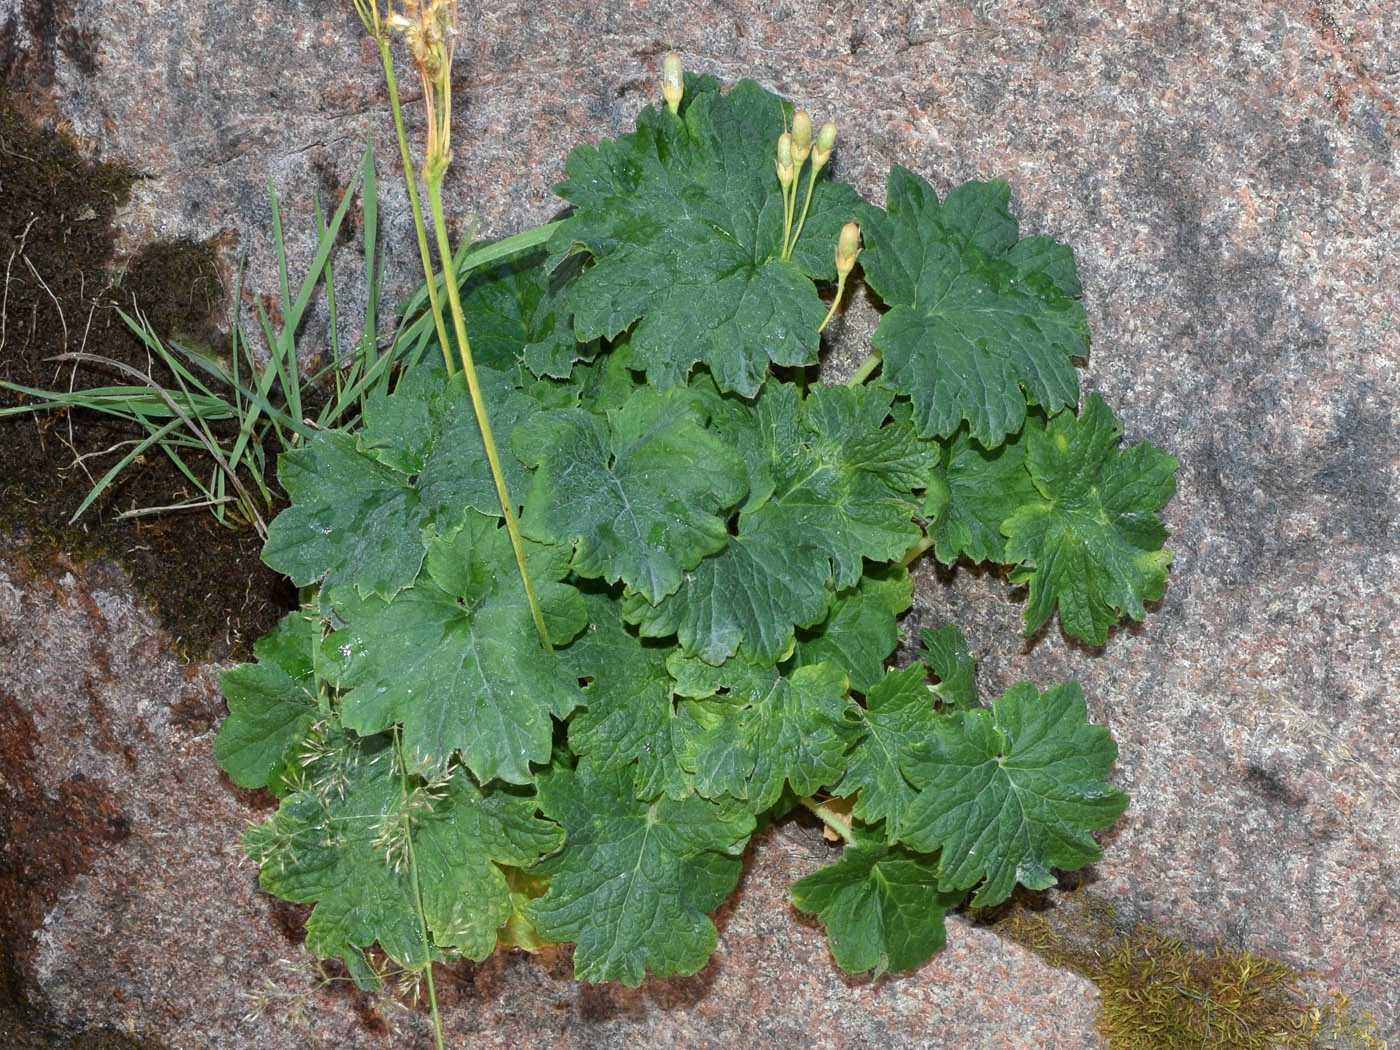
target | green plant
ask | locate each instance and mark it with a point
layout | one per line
(719, 544)
(236, 413)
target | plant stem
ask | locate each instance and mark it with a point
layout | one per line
(835, 821)
(454, 302)
(418, 902)
(913, 553)
(411, 181)
(797, 232)
(789, 206)
(835, 301)
(866, 368)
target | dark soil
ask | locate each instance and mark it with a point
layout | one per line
(58, 291)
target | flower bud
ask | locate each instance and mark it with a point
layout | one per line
(801, 136)
(826, 142)
(672, 81)
(785, 149)
(784, 160)
(847, 248)
(785, 173)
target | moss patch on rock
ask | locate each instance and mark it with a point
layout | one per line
(58, 293)
(1158, 993)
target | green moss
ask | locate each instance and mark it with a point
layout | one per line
(1158, 993)
(58, 290)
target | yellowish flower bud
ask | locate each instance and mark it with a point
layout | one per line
(801, 136)
(785, 173)
(847, 248)
(785, 148)
(672, 81)
(826, 142)
(784, 160)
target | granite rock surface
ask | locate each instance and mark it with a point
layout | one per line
(1228, 177)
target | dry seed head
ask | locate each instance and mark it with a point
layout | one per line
(672, 81)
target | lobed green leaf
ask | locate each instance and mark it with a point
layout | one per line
(344, 843)
(971, 492)
(354, 525)
(638, 880)
(861, 631)
(838, 489)
(750, 731)
(979, 322)
(898, 714)
(1091, 545)
(684, 221)
(1008, 794)
(272, 705)
(456, 660)
(629, 715)
(641, 493)
(881, 906)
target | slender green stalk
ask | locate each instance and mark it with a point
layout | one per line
(835, 821)
(418, 902)
(821, 150)
(789, 206)
(378, 29)
(835, 302)
(865, 370)
(433, 179)
(411, 181)
(806, 204)
(913, 553)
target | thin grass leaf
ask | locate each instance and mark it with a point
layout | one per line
(212, 448)
(209, 406)
(283, 346)
(106, 480)
(238, 348)
(329, 275)
(216, 503)
(369, 348)
(142, 330)
(284, 358)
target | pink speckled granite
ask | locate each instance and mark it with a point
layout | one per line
(1228, 176)
(167, 931)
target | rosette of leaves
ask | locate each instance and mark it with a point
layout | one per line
(721, 556)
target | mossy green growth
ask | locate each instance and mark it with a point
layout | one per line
(1158, 993)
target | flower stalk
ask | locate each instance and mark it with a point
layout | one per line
(821, 151)
(379, 31)
(847, 248)
(429, 28)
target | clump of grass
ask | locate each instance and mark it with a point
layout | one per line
(1158, 993)
(222, 421)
